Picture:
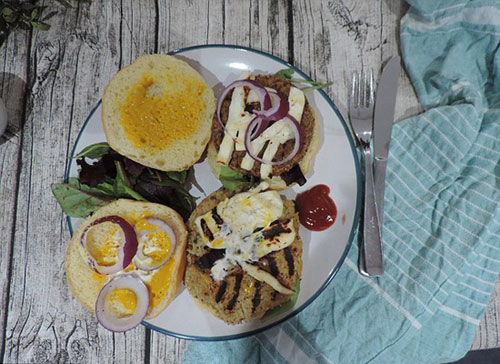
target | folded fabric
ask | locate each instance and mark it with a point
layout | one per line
(441, 221)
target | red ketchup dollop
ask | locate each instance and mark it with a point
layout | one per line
(317, 211)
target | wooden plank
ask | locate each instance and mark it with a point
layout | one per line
(70, 65)
(488, 333)
(183, 24)
(332, 39)
(13, 80)
(138, 30)
(270, 27)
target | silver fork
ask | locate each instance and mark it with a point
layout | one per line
(361, 115)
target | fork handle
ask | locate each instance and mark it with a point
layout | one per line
(372, 247)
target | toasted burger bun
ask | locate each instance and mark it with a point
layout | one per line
(86, 284)
(238, 297)
(304, 158)
(158, 112)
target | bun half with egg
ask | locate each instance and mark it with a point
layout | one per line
(279, 176)
(244, 253)
(162, 261)
(158, 112)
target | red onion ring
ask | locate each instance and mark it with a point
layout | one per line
(262, 93)
(277, 111)
(119, 324)
(298, 137)
(126, 251)
(144, 262)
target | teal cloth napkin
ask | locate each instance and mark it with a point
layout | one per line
(442, 217)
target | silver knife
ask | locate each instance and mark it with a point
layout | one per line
(385, 102)
(371, 258)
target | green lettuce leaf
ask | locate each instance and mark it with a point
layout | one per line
(232, 179)
(287, 73)
(75, 202)
(285, 306)
(122, 187)
(93, 151)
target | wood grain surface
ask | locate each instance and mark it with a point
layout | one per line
(51, 81)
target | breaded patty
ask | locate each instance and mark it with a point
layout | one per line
(239, 297)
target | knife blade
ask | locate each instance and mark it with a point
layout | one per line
(385, 103)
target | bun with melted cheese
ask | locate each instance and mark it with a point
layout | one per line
(310, 125)
(239, 297)
(162, 283)
(158, 112)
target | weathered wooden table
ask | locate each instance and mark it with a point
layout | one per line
(50, 82)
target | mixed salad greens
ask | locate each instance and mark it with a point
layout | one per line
(111, 176)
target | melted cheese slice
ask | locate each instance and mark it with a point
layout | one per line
(237, 122)
(263, 276)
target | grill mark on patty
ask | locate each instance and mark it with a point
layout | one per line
(208, 259)
(276, 230)
(218, 220)
(221, 291)
(256, 297)
(272, 265)
(206, 230)
(289, 260)
(237, 287)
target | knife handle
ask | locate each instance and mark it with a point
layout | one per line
(372, 247)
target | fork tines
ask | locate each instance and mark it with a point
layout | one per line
(362, 91)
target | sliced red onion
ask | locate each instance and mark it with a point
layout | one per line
(298, 137)
(277, 111)
(144, 262)
(262, 93)
(126, 251)
(119, 324)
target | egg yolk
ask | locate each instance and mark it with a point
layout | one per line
(103, 243)
(156, 113)
(157, 245)
(160, 283)
(142, 224)
(121, 302)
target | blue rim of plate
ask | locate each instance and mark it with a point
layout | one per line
(357, 212)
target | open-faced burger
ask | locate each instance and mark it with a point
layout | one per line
(126, 261)
(264, 127)
(244, 253)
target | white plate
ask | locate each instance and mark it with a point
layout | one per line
(336, 165)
